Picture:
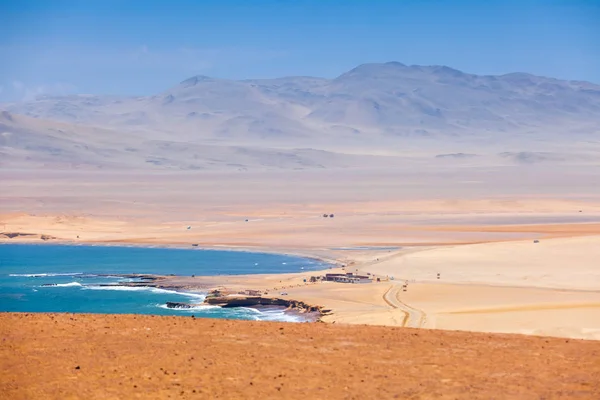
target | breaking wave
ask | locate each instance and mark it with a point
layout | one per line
(70, 284)
(48, 274)
(145, 289)
(249, 313)
(195, 308)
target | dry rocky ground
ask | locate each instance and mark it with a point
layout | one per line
(68, 356)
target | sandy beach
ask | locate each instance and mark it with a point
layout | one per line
(494, 277)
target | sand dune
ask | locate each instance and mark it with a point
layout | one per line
(566, 263)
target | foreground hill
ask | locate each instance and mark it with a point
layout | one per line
(109, 356)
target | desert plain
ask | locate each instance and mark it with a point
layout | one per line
(512, 255)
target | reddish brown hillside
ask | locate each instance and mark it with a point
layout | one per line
(66, 356)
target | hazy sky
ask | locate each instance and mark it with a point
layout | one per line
(144, 47)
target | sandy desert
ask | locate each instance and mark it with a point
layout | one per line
(478, 234)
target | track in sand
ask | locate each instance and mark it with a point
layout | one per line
(412, 317)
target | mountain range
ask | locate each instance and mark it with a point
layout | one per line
(371, 108)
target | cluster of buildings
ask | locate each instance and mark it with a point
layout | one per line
(348, 277)
(251, 292)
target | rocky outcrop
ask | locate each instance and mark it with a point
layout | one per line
(249, 301)
(175, 304)
(143, 277)
(47, 237)
(12, 235)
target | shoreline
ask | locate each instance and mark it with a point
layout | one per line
(177, 246)
(530, 306)
(154, 280)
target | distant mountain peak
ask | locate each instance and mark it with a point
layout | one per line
(5, 115)
(446, 70)
(387, 99)
(374, 69)
(194, 80)
(374, 66)
(395, 64)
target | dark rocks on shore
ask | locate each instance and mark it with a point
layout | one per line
(176, 304)
(249, 301)
(142, 277)
(12, 235)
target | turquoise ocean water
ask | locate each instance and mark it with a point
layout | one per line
(74, 270)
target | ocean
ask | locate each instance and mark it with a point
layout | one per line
(74, 271)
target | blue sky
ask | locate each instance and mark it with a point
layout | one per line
(145, 47)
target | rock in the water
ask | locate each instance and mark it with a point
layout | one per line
(175, 304)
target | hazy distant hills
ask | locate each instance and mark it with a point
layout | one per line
(205, 122)
(27, 142)
(388, 99)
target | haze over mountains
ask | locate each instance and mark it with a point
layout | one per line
(374, 109)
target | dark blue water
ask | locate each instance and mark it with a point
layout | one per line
(24, 269)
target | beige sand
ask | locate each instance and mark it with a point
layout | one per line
(566, 263)
(480, 243)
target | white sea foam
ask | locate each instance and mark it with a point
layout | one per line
(280, 315)
(272, 314)
(145, 289)
(70, 284)
(245, 312)
(254, 310)
(46, 274)
(195, 308)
